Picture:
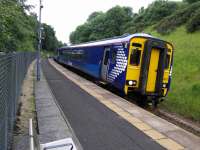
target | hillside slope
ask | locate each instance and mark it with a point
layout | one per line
(184, 96)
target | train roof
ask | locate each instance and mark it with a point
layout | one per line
(119, 39)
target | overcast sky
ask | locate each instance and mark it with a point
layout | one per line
(66, 15)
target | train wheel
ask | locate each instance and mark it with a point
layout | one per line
(155, 102)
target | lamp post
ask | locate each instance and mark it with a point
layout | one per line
(39, 42)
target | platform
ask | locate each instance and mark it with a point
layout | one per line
(103, 121)
(52, 124)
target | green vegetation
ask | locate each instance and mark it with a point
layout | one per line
(164, 15)
(191, 1)
(120, 20)
(46, 54)
(18, 28)
(102, 25)
(176, 22)
(189, 15)
(49, 40)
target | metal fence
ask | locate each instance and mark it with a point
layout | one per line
(13, 68)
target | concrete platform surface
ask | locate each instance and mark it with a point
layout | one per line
(52, 124)
(159, 130)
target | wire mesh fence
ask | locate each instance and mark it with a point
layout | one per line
(13, 68)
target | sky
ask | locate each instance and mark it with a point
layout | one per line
(65, 15)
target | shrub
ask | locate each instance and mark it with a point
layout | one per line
(194, 22)
(191, 1)
(180, 17)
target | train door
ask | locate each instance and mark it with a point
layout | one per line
(105, 64)
(153, 70)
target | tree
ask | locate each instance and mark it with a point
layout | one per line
(94, 15)
(49, 40)
(156, 11)
(17, 29)
(102, 25)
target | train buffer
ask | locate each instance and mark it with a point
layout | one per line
(97, 119)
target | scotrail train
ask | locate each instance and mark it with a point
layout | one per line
(137, 63)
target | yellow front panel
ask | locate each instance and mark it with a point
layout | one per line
(153, 68)
(133, 72)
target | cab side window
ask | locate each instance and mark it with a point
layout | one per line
(167, 61)
(106, 58)
(135, 57)
(114, 55)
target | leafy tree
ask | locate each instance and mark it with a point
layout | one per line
(102, 25)
(158, 10)
(49, 39)
(116, 18)
(17, 29)
(94, 15)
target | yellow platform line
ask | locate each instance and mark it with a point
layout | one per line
(139, 124)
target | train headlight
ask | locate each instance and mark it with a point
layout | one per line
(132, 82)
(164, 85)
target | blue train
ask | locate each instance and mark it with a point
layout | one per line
(137, 63)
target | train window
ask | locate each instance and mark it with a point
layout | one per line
(67, 54)
(135, 57)
(136, 44)
(106, 58)
(114, 54)
(167, 61)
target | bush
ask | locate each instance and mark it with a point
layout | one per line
(180, 17)
(194, 22)
(191, 1)
(158, 10)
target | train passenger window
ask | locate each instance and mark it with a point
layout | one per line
(135, 57)
(66, 54)
(167, 61)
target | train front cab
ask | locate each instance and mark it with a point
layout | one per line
(149, 65)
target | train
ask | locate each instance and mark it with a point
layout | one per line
(137, 63)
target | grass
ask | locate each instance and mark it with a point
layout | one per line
(184, 96)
